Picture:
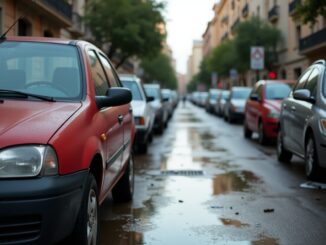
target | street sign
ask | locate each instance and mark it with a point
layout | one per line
(233, 74)
(257, 57)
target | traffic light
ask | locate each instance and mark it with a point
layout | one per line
(272, 75)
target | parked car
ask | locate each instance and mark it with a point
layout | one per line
(202, 99)
(142, 111)
(263, 108)
(175, 99)
(168, 101)
(235, 103)
(220, 103)
(160, 110)
(302, 129)
(212, 100)
(65, 140)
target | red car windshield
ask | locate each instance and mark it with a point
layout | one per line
(277, 91)
(43, 69)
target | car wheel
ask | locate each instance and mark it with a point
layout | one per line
(87, 227)
(311, 159)
(142, 148)
(262, 139)
(283, 155)
(246, 131)
(123, 191)
(230, 119)
(150, 137)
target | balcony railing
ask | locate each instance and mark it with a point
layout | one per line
(235, 24)
(61, 7)
(313, 41)
(274, 13)
(245, 10)
(293, 4)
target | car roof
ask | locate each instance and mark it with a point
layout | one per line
(40, 39)
(287, 81)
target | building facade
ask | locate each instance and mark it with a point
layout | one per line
(195, 59)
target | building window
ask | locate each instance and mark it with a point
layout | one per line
(1, 21)
(24, 28)
(298, 35)
(297, 72)
(232, 4)
(48, 33)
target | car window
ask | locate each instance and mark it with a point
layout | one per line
(100, 81)
(153, 92)
(302, 80)
(240, 94)
(40, 68)
(136, 94)
(277, 91)
(311, 84)
(109, 71)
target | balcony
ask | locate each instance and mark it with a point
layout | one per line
(58, 11)
(313, 43)
(225, 37)
(235, 24)
(245, 10)
(78, 27)
(293, 4)
(274, 13)
(225, 19)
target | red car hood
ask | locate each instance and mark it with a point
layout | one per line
(32, 122)
(274, 104)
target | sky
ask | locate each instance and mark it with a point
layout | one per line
(186, 21)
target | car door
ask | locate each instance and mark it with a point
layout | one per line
(124, 112)
(303, 112)
(254, 106)
(109, 121)
(290, 118)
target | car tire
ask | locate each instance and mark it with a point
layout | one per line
(283, 155)
(247, 133)
(123, 191)
(311, 159)
(142, 148)
(262, 139)
(230, 119)
(86, 231)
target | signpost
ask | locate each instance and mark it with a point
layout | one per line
(257, 58)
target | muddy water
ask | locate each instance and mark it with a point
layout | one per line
(181, 209)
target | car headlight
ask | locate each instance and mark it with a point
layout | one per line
(28, 161)
(273, 114)
(323, 125)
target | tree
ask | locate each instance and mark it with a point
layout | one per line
(159, 69)
(309, 10)
(130, 27)
(255, 32)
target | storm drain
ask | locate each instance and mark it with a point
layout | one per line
(182, 172)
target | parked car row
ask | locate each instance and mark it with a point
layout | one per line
(292, 113)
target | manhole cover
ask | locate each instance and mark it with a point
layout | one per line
(182, 172)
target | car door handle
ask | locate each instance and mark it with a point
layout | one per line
(120, 119)
(293, 108)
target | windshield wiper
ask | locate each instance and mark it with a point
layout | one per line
(26, 95)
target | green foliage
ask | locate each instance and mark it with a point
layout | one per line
(159, 69)
(223, 58)
(255, 32)
(129, 26)
(309, 10)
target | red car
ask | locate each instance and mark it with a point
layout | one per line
(262, 109)
(66, 132)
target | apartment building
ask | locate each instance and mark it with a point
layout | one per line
(301, 43)
(195, 59)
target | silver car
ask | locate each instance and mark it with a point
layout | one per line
(302, 129)
(142, 111)
(235, 103)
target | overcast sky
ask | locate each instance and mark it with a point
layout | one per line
(186, 21)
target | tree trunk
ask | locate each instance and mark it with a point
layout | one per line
(123, 59)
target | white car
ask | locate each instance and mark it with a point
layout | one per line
(142, 111)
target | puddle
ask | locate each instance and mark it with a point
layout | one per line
(232, 222)
(313, 185)
(240, 181)
(215, 162)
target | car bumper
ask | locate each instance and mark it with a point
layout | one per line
(141, 136)
(40, 211)
(236, 115)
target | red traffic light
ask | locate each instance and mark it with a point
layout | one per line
(272, 75)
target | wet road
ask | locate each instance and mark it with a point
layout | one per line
(203, 183)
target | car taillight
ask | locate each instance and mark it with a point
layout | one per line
(323, 124)
(140, 120)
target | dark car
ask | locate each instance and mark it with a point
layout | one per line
(302, 129)
(263, 108)
(66, 133)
